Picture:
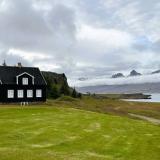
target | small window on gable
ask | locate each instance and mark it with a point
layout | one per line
(25, 81)
(38, 93)
(10, 93)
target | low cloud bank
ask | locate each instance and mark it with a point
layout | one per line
(154, 78)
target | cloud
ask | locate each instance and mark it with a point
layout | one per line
(35, 33)
(104, 38)
(103, 80)
(138, 16)
(12, 59)
(81, 38)
(23, 27)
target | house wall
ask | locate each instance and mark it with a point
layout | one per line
(20, 86)
(4, 93)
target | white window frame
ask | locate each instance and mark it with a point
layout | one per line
(25, 81)
(39, 93)
(10, 93)
(20, 93)
(29, 93)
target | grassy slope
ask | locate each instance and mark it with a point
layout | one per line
(57, 133)
(111, 106)
(124, 96)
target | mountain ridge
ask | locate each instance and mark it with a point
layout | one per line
(134, 73)
(118, 75)
(123, 88)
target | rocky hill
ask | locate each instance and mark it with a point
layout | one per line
(55, 78)
(134, 73)
(57, 86)
(155, 72)
(118, 75)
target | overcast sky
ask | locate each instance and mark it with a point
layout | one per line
(81, 38)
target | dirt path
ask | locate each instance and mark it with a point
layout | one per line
(152, 120)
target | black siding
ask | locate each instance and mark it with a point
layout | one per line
(9, 75)
(5, 88)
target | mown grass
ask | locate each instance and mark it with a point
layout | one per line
(58, 131)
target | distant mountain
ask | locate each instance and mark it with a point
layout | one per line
(82, 79)
(118, 75)
(155, 72)
(125, 88)
(134, 73)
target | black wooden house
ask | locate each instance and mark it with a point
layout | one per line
(21, 84)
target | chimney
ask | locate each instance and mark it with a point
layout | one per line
(4, 63)
(19, 65)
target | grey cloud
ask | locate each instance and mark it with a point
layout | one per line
(11, 59)
(156, 46)
(104, 80)
(23, 27)
(51, 27)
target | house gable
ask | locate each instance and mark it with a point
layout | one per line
(25, 75)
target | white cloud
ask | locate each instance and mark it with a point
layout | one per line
(29, 56)
(105, 38)
(118, 81)
(81, 38)
(139, 17)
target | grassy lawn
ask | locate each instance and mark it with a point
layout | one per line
(56, 132)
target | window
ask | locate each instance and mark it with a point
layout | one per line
(25, 81)
(10, 93)
(20, 93)
(38, 93)
(29, 93)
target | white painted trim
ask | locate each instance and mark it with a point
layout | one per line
(23, 74)
(10, 94)
(29, 93)
(33, 80)
(43, 78)
(16, 79)
(38, 93)
(20, 93)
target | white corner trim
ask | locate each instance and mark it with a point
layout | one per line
(16, 79)
(33, 80)
(23, 74)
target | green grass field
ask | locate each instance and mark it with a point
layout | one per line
(54, 131)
